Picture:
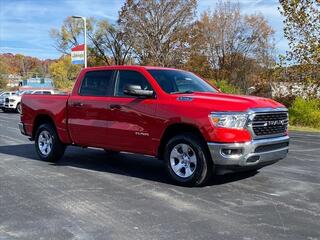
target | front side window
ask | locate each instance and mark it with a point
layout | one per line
(127, 77)
(175, 81)
(97, 83)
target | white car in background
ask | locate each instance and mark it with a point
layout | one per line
(3, 96)
(13, 103)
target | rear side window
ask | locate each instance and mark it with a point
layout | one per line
(129, 77)
(97, 83)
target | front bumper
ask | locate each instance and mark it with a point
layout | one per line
(9, 106)
(230, 157)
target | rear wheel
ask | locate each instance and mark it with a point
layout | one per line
(47, 143)
(187, 160)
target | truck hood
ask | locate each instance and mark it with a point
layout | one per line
(228, 102)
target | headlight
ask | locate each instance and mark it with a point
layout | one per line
(228, 119)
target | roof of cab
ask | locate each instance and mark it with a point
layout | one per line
(128, 67)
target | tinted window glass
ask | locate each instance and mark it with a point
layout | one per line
(130, 77)
(97, 83)
(175, 81)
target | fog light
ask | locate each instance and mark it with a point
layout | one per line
(231, 152)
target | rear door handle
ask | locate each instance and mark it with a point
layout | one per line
(77, 104)
(115, 106)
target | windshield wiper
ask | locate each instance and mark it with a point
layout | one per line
(188, 91)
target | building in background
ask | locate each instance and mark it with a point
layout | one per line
(36, 83)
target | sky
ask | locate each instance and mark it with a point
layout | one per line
(25, 24)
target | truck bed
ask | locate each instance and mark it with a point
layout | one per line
(54, 106)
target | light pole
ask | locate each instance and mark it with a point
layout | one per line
(85, 38)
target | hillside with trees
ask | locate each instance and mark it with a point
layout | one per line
(21, 67)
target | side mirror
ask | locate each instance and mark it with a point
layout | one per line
(135, 90)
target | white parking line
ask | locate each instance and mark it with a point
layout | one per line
(9, 127)
(14, 140)
(1, 120)
(14, 118)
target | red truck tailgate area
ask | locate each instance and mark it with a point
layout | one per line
(54, 106)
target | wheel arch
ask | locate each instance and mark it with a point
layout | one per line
(173, 130)
(41, 119)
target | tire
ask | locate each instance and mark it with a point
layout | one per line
(18, 108)
(189, 152)
(111, 152)
(54, 148)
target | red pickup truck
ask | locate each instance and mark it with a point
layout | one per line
(171, 114)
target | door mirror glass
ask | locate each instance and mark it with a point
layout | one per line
(136, 90)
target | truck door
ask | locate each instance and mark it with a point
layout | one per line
(131, 118)
(88, 109)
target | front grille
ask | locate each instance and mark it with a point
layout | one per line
(270, 123)
(7, 100)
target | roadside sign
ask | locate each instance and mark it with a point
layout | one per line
(77, 54)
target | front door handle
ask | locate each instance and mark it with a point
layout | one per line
(77, 104)
(115, 106)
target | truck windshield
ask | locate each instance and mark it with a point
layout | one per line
(175, 81)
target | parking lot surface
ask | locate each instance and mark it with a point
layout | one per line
(91, 195)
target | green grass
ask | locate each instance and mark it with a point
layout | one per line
(304, 129)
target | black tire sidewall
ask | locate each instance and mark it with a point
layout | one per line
(111, 152)
(57, 148)
(202, 169)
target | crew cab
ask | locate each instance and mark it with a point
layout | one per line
(171, 114)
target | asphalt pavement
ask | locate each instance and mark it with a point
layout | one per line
(91, 195)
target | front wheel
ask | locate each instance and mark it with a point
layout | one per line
(187, 160)
(47, 143)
